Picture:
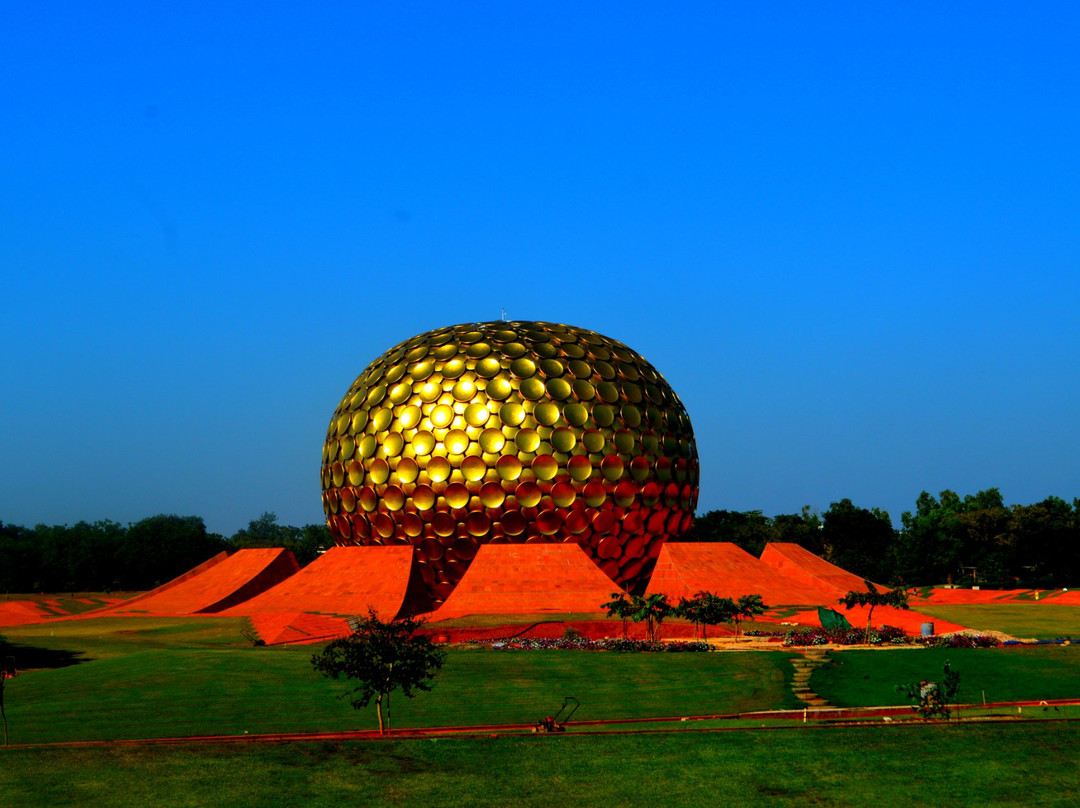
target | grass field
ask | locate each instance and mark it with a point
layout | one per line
(111, 678)
(179, 677)
(1037, 620)
(971, 765)
(1027, 673)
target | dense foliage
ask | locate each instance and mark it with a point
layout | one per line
(970, 540)
(380, 657)
(106, 556)
(974, 539)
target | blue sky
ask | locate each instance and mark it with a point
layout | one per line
(846, 233)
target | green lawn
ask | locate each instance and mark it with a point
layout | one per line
(972, 765)
(1038, 620)
(179, 677)
(1017, 673)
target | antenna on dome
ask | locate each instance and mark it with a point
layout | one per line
(505, 316)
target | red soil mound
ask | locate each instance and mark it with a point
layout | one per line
(22, 613)
(910, 621)
(529, 579)
(798, 563)
(342, 581)
(213, 586)
(1067, 598)
(725, 569)
(297, 628)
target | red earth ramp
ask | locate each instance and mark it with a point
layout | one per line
(529, 579)
(343, 581)
(216, 587)
(22, 613)
(726, 570)
(795, 561)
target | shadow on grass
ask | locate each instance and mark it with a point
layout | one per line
(29, 657)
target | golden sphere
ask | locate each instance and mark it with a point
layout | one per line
(511, 432)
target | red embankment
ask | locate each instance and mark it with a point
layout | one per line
(910, 621)
(22, 613)
(343, 581)
(213, 561)
(726, 570)
(297, 628)
(529, 579)
(1068, 598)
(797, 562)
(242, 575)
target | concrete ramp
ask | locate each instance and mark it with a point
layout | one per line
(212, 587)
(795, 561)
(342, 581)
(529, 579)
(726, 570)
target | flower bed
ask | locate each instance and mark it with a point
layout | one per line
(885, 635)
(585, 644)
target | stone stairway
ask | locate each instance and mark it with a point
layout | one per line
(800, 682)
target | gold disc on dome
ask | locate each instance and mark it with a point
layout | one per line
(407, 470)
(508, 467)
(492, 440)
(523, 368)
(464, 390)
(476, 415)
(488, 367)
(423, 443)
(473, 468)
(532, 389)
(558, 388)
(563, 439)
(511, 414)
(442, 416)
(430, 391)
(454, 368)
(527, 440)
(456, 441)
(381, 419)
(546, 414)
(410, 416)
(499, 389)
(393, 443)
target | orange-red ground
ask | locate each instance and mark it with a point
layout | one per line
(290, 605)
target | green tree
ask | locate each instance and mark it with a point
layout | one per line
(934, 699)
(619, 606)
(651, 610)
(873, 597)
(858, 540)
(7, 671)
(380, 657)
(304, 543)
(706, 609)
(746, 607)
(159, 548)
(803, 528)
(750, 530)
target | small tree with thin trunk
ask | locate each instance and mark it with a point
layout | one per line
(746, 607)
(873, 597)
(619, 606)
(651, 610)
(706, 609)
(7, 671)
(381, 657)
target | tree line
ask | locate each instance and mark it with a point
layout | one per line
(108, 556)
(970, 540)
(975, 539)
